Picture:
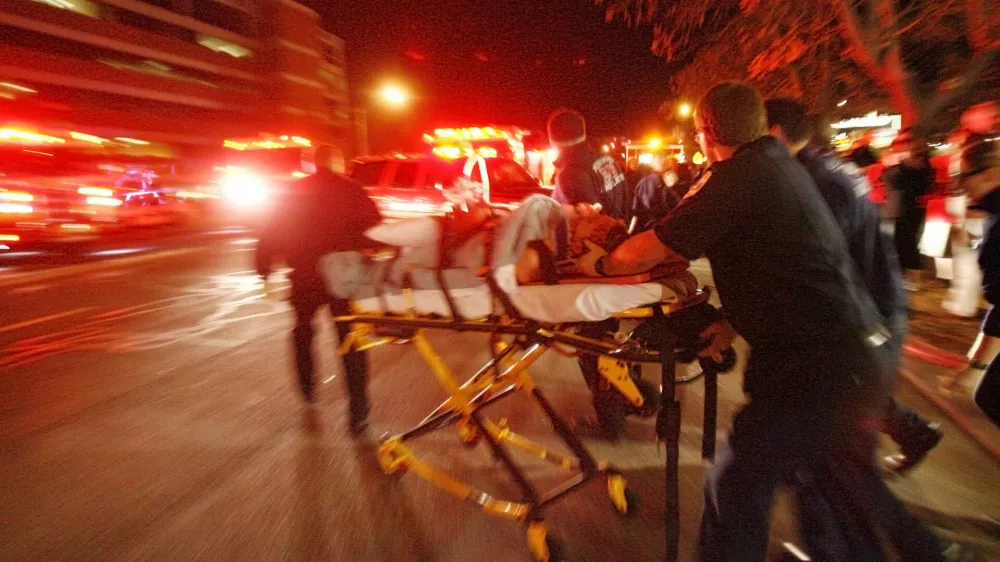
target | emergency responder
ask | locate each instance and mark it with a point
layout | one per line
(655, 194)
(846, 192)
(584, 175)
(789, 288)
(591, 178)
(322, 213)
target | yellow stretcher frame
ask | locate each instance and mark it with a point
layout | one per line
(507, 373)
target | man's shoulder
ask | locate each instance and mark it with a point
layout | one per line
(832, 172)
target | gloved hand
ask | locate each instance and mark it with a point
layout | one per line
(588, 262)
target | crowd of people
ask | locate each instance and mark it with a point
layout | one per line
(809, 274)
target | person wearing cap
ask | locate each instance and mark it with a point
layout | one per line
(323, 213)
(980, 178)
(846, 191)
(813, 377)
(584, 175)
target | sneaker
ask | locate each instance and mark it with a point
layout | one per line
(914, 451)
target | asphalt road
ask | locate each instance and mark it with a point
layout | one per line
(148, 413)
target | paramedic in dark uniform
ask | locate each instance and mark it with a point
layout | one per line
(591, 178)
(846, 192)
(323, 213)
(787, 286)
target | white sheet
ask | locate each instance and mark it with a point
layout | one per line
(545, 303)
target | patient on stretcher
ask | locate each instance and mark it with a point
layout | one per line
(531, 253)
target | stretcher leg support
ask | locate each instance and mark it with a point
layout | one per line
(502, 376)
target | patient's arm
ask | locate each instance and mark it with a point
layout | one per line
(639, 253)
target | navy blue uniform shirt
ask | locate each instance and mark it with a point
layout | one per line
(846, 191)
(587, 177)
(779, 259)
(653, 200)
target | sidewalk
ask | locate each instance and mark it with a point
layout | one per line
(937, 344)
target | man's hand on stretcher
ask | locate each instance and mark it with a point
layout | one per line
(639, 253)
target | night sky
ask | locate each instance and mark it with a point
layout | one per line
(473, 62)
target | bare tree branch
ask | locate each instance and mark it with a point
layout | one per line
(975, 20)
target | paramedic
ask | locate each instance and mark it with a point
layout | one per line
(789, 288)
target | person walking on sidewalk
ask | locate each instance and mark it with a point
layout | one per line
(980, 179)
(911, 179)
(846, 191)
(323, 213)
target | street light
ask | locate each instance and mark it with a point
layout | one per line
(684, 110)
(393, 95)
(389, 95)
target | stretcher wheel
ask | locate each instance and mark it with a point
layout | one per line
(625, 499)
(543, 546)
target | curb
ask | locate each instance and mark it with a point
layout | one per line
(66, 271)
(921, 349)
(962, 421)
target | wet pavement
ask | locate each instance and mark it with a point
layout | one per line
(148, 413)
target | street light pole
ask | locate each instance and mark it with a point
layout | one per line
(390, 95)
(361, 130)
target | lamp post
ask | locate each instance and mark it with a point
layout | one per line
(392, 96)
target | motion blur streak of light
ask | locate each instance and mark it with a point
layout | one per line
(21, 254)
(95, 191)
(104, 201)
(16, 209)
(131, 141)
(18, 87)
(86, 138)
(117, 252)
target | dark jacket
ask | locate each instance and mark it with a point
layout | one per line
(653, 200)
(323, 213)
(846, 191)
(587, 177)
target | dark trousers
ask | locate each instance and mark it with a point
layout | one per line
(988, 392)
(908, 228)
(903, 425)
(608, 403)
(821, 430)
(306, 302)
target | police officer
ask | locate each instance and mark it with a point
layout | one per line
(322, 213)
(590, 178)
(846, 192)
(789, 288)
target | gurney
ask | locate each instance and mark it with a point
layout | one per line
(522, 326)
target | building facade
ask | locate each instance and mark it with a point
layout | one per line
(178, 71)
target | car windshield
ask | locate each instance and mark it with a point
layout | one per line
(509, 173)
(368, 173)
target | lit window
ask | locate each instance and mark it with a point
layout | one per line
(223, 46)
(84, 7)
